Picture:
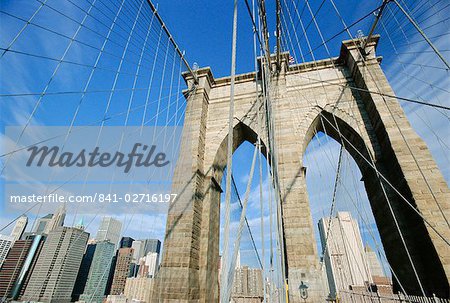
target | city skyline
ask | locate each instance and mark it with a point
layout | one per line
(300, 149)
(57, 262)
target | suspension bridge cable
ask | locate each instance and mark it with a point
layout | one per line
(388, 183)
(345, 29)
(130, 100)
(366, 221)
(405, 20)
(40, 204)
(280, 255)
(269, 179)
(38, 102)
(97, 214)
(237, 242)
(421, 41)
(128, 110)
(333, 115)
(404, 138)
(267, 81)
(264, 29)
(289, 37)
(181, 54)
(423, 34)
(313, 17)
(375, 23)
(252, 18)
(84, 26)
(23, 28)
(379, 93)
(110, 117)
(333, 199)
(259, 143)
(384, 191)
(441, 141)
(151, 76)
(252, 239)
(224, 280)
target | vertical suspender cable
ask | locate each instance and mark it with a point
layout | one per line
(258, 114)
(223, 278)
(237, 242)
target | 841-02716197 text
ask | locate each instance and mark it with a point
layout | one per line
(137, 198)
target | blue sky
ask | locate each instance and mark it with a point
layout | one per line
(203, 30)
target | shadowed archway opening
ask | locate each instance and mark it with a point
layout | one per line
(250, 258)
(348, 242)
(377, 179)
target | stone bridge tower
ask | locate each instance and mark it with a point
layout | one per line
(305, 98)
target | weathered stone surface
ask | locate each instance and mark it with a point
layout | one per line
(306, 98)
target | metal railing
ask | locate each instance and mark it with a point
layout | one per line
(373, 297)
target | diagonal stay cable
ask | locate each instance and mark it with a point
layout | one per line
(246, 223)
(55, 71)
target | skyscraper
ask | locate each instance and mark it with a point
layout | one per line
(57, 219)
(109, 229)
(126, 242)
(373, 262)
(41, 224)
(122, 270)
(145, 246)
(152, 263)
(344, 257)
(152, 245)
(83, 273)
(148, 265)
(6, 243)
(98, 274)
(10, 270)
(111, 273)
(138, 250)
(55, 272)
(19, 228)
(29, 265)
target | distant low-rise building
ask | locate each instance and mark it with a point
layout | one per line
(139, 289)
(247, 285)
(116, 299)
(382, 285)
